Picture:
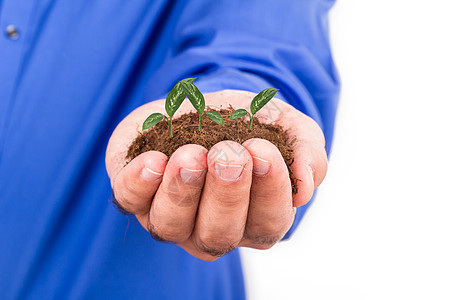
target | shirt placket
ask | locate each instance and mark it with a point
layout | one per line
(14, 35)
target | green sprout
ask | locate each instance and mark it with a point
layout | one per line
(173, 101)
(183, 89)
(257, 103)
(198, 101)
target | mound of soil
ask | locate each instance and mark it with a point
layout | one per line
(185, 131)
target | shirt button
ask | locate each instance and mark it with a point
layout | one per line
(12, 32)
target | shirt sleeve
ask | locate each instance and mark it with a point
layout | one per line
(252, 45)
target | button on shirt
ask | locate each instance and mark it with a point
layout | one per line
(12, 32)
(70, 71)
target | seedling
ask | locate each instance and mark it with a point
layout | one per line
(198, 101)
(173, 101)
(257, 103)
(184, 88)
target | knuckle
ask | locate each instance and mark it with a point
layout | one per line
(120, 200)
(229, 197)
(217, 251)
(167, 233)
(232, 201)
(264, 236)
(273, 228)
(215, 246)
(175, 231)
(263, 242)
(125, 199)
(119, 206)
(278, 191)
(154, 234)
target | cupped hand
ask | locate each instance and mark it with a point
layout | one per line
(210, 202)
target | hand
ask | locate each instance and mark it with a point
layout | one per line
(209, 202)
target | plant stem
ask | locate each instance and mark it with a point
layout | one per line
(200, 122)
(251, 122)
(170, 127)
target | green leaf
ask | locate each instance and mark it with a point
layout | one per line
(238, 114)
(152, 120)
(191, 80)
(174, 99)
(261, 99)
(194, 95)
(215, 116)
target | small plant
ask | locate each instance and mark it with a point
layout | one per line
(173, 101)
(257, 103)
(184, 88)
(198, 101)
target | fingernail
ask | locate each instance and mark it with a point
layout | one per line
(189, 175)
(260, 166)
(149, 175)
(228, 172)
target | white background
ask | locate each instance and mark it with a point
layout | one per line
(380, 226)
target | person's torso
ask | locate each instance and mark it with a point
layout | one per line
(73, 71)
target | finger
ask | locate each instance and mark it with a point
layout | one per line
(270, 213)
(174, 207)
(135, 185)
(309, 167)
(310, 159)
(223, 206)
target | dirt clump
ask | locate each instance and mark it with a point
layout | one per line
(185, 131)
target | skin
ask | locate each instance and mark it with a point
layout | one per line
(210, 202)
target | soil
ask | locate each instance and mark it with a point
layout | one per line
(185, 131)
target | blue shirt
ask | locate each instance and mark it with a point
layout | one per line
(70, 71)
